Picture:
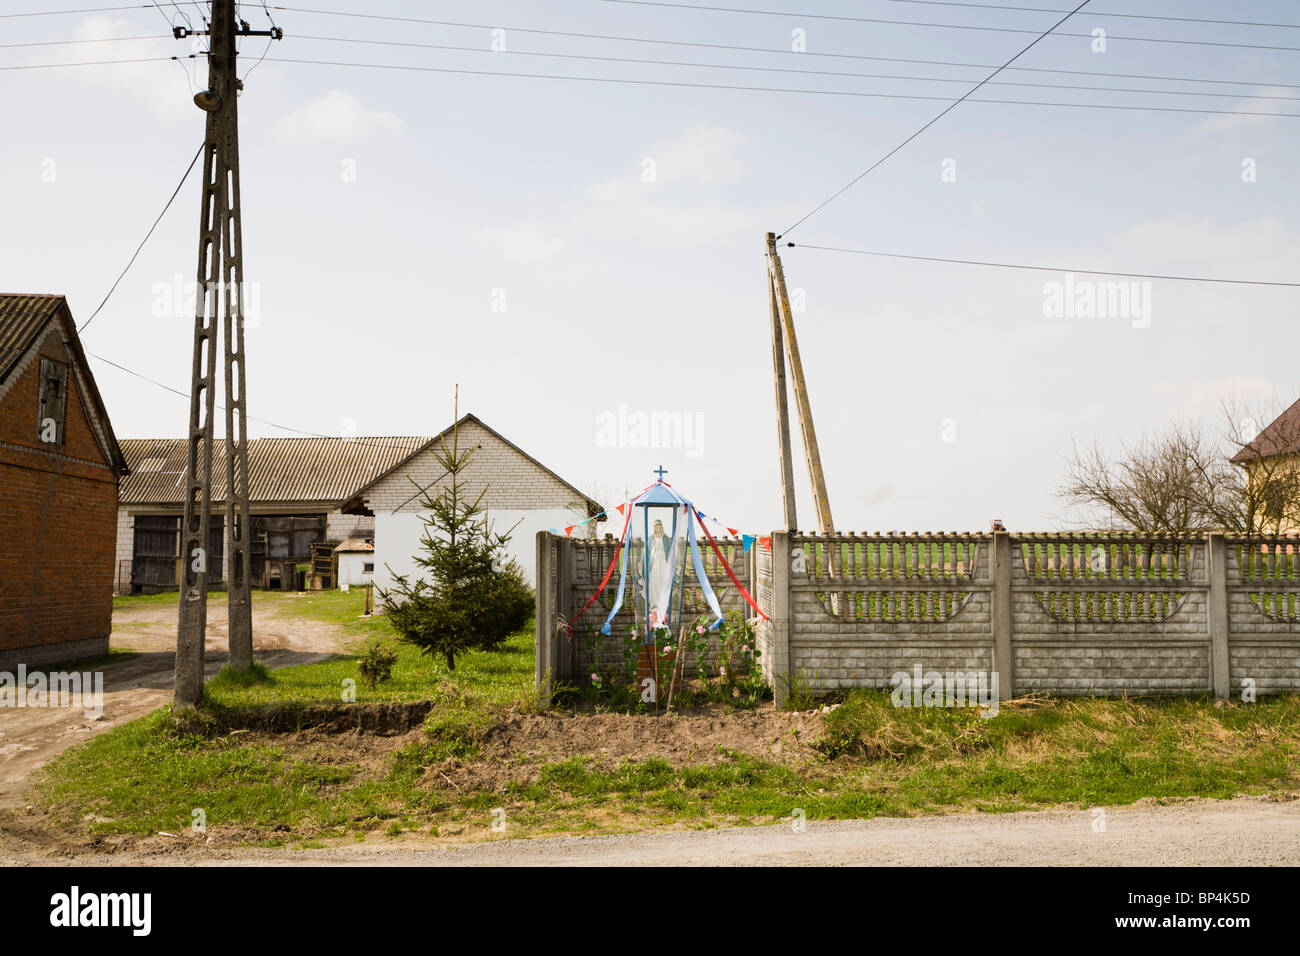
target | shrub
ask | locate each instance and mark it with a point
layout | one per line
(377, 660)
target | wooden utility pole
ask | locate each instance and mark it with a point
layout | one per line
(782, 408)
(219, 296)
(782, 303)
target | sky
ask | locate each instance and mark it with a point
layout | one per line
(585, 257)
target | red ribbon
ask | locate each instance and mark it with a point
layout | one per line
(731, 574)
(610, 570)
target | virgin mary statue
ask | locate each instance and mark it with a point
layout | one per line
(659, 591)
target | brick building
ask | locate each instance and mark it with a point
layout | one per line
(59, 471)
(309, 495)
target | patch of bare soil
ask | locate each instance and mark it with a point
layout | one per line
(389, 719)
(680, 740)
(514, 750)
(31, 737)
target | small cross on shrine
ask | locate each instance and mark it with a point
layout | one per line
(661, 471)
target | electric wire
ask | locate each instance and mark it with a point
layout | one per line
(1015, 265)
(1099, 13)
(777, 69)
(951, 106)
(802, 55)
(189, 169)
(943, 26)
(770, 89)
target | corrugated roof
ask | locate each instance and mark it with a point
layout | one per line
(280, 469)
(21, 317)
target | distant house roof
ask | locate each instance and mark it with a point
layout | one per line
(355, 544)
(280, 469)
(22, 320)
(1281, 437)
(593, 506)
(289, 470)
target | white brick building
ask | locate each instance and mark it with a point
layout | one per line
(522, 493)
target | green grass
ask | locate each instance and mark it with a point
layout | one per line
(126, 602)
(500, 677)
(875, 760)
(343, 608)
(115, 655)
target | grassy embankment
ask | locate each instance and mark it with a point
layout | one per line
(872, 759)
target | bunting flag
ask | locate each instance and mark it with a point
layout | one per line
(624, 509)
(624, 548)
(609, 572)
(732, 574)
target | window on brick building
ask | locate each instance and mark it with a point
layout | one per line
(54, 401)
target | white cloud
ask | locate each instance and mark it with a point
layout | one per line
(1241, 118)
(339, 115)
(162, 85)
(670, 190)
(1256, 249)
(538, 247)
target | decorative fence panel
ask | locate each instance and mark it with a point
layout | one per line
(1102, 614)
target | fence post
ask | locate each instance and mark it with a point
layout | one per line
(1216, 548)
(1003, 652)
(781, 623)
(546, 611)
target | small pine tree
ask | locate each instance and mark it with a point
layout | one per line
(475, 596)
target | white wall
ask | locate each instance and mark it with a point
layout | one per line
(397, 539)
(352, 568)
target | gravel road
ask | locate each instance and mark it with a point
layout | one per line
(1240, 832)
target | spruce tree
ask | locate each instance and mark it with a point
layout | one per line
(473, 595)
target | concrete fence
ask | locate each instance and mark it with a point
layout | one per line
(1097, 614)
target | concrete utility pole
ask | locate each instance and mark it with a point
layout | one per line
(782, 304)
(220, 284)
(782, 408)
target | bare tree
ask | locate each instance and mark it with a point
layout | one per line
(1184, 480)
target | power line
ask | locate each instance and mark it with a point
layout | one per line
(942, 26)
(57, 13)
(774, 89)
(774, 69)
(1099, 13)
(755, 89)
(252, 418)
(783, 52)
(9, 46)
(186, 395)
(51, 66)
(777, 69)
(1013, 265)
(946, 111)
(189, 169)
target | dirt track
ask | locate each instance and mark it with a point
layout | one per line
(30, 738)
(1241, 832)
